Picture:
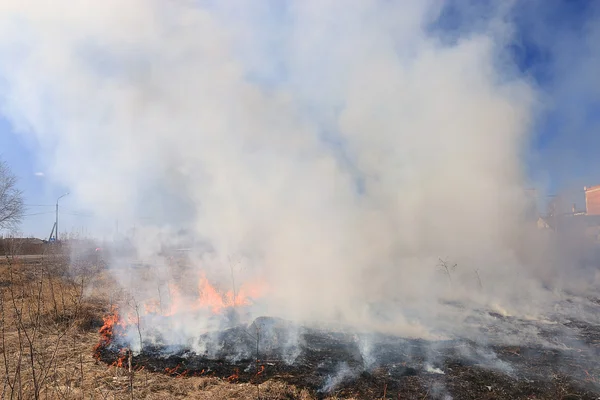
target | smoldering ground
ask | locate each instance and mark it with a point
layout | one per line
(339, 150)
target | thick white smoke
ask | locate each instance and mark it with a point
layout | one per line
(338, 147)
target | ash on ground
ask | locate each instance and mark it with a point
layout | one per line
(350, 364)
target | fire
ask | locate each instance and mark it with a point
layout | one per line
(176, 300)
(172, 371)
(121, 359)
(152, 307)
(235, 376)
(107, 331)
(209, 299)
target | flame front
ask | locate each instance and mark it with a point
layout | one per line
(217, 302)
(107, 331)
(209, 300)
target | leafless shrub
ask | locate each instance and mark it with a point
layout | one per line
(136, 309)
(89, 316)
(65, 319)
(38, 324)
(447, 269)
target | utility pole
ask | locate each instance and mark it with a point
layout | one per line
(56, 223)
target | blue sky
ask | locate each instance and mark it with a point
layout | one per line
(553, 45)
(556, 46)
(40, 194)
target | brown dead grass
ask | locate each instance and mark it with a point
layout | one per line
(61, 315)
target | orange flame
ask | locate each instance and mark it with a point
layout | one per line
(235, 376)
(107, 331)
(209, 299)
(152, 307)
(212, 299)
(172, 371)
(121, 359)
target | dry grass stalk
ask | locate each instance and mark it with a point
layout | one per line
(49, 326)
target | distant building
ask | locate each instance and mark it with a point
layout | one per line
(592, 200)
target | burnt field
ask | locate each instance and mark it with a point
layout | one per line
(496, 357)
(563, 364)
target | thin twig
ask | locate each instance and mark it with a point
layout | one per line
(257, 362)
(446, 268)
(479, 279)
(130, 374)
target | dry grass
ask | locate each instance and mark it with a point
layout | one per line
(49, 326)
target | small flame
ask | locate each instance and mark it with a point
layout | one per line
(172, 371)
(121, 359)
(183, 374)
(107, 331)
(235, 376)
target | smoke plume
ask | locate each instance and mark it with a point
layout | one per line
(360, 167)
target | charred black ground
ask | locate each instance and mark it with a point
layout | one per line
(369, 366)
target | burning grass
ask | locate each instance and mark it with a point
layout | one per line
(78, 352)
(326, 362)
(330, 363)
(38, 299)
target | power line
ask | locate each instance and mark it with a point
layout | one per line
(78, 214)
(65, 213)
(39, 205)
(69, 208)
(42, 213)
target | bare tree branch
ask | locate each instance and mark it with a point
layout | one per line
(11, 199)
